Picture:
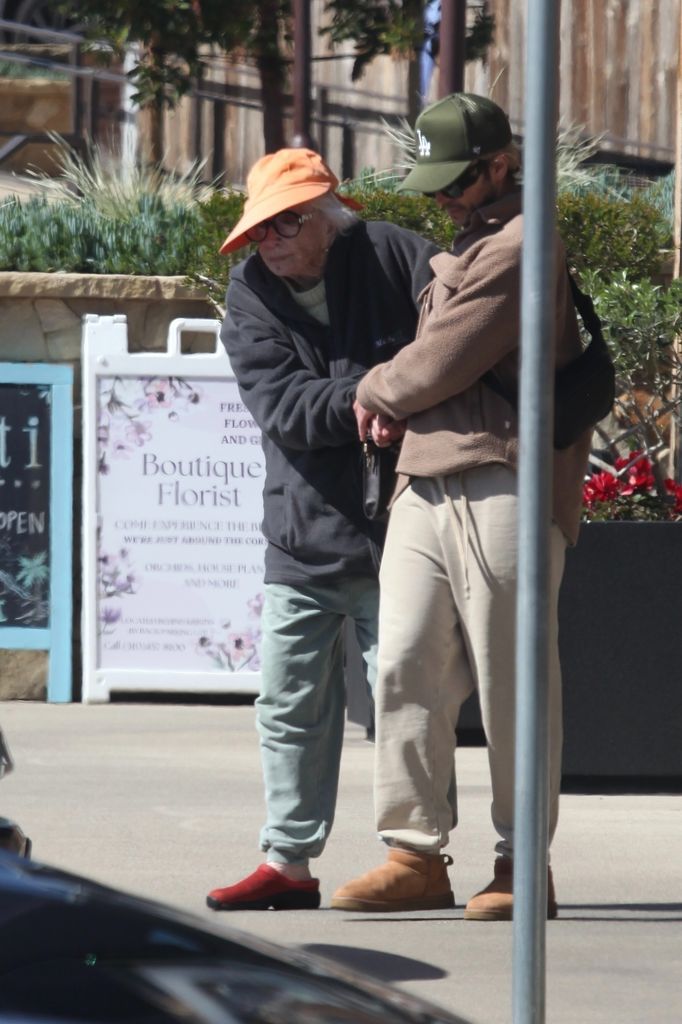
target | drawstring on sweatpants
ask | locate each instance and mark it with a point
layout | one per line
(461, 532)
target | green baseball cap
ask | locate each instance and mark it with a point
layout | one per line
(450, 135)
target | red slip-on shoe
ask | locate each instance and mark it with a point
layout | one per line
(267, 888)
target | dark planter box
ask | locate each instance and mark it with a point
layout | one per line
(621, 651)
(621, 655)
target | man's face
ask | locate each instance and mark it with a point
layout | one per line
(488, 186)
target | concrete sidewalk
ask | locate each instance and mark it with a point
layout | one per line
(165, 801)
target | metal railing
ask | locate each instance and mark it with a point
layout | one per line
(330, 111)
(85, 110)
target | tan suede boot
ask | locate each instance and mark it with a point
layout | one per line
(496, 901)
(407, 881)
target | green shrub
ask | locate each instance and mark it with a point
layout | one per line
(161, 236)
(415, 212)
(371, 180)
(15, 69)
(611, 235)
(661, 194)
(51, 237)
(207, 268)
(640, 321)
(611, 182)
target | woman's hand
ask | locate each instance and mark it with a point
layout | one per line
(363, 418)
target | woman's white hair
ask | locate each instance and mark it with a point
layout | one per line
(334, 211)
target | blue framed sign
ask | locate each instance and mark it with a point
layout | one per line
(36, 481)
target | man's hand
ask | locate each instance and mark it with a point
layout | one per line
(385, 430)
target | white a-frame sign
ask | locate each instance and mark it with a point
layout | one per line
(172, 549)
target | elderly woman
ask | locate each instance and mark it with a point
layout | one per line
(324, 298)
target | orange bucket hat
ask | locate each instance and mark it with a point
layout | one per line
(279, 181)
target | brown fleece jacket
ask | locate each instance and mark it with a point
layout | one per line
(469, 324)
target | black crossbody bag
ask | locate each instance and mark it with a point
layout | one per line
(585, 389)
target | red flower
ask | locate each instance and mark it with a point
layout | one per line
(676, 490)
(600, 487)
(638, 478)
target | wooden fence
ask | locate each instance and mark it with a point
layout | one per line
(619, 65)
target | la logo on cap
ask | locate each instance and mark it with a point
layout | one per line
(424, 145)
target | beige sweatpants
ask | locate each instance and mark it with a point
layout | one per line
(447, 625)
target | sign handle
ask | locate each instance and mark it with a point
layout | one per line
(176, 327)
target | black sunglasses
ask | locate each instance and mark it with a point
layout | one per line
(286, 224)
(456, 188)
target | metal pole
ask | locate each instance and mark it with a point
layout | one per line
(677, 203)
(535, 479)
(675, 458)
(302, 103)
(77, 98)
(130, 131)
(218, 157)
(451, 43)
(196, 111)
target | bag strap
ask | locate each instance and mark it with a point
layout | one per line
(491, 380)
(585, 307)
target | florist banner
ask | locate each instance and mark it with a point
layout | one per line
(174, 475)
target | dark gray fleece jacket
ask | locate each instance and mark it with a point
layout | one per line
(298, 379)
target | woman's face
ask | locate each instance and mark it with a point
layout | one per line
(300, 259)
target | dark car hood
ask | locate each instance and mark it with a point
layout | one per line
(75, 951)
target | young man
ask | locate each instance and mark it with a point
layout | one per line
(448, 575)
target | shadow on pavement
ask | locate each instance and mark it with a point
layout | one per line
(645, 912)
(413, 916)
(386, 966)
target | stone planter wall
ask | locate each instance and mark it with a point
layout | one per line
(42, 313)
(40, 322)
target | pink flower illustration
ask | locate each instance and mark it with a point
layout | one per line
(138, 432)
(158, 394)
